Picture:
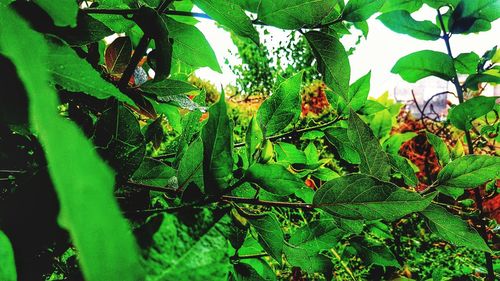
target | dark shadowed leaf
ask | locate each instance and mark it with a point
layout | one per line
(63, 12)
(117, 55)
(153, 172)
(309, 260)
(191, 166)
(317, 235)
(378, 254)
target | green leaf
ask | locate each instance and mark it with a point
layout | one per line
(217, 135)
(358, 92)
(87, 203)
(308, 260)
(393, 144)
(469, 171)
(402, 22)
(358, 196)
(453, 229)
(473, 16)
(463, 114)
(440, 148)
(245, 272)
(421, 64)
(273, 178)
(294, 14)
(174, 250)
(406, 5)
(401, 165)
(361, 10)
(76, 75)
(63, 12)
(466, 63)
(230, 15)
(332, 60)
(338, 138)
(378, 254)
(191, 166)
(282, 107)
(249, 5)
(288, 153)
(191, 46)
(88, 30)
(441, 3)
(270, 235)
(153, 172)
(119, 140)
(381, 123)
(317, 235)
(253, 138)
(491, 76)
(374, 161)
(167, 87)
(7, 262)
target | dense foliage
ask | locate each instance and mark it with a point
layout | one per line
(117, 163)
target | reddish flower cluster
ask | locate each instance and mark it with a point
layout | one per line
(314, 99)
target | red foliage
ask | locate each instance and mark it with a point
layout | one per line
(314, 99)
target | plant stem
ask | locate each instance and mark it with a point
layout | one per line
(256, 201)
(344, 265)
(152, 187)
(251, 256)
(477, 191)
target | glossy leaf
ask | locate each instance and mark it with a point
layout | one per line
(463, 114)
(440, 148)
(191, 46)
(87, 203)
(230, 15)
(167, 87)
(63, 12)
(421, 64)
(332, 60)
(217, 135)
(453, 229)
(358, 196)
(282, 107)
(469, 171)
(287, 152)
(270, 235)
(273, 178)
(360, 10)
(7, 262)
(402, 22)
(293, 14)
(117, 55)
(76, 75)
(373, 160)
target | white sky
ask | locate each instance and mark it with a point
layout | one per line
(378, 53)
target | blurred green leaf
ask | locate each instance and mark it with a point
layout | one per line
(63, 12)
(7, 262)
